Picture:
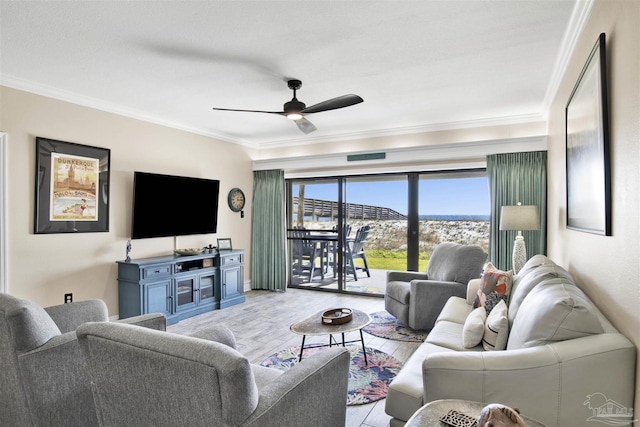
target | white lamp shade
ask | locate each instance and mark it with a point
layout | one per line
(519, 218)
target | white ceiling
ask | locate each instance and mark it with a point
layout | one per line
(419, 65)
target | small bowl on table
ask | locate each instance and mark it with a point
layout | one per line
(337, 316)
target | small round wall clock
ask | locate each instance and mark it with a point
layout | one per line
(236, 199)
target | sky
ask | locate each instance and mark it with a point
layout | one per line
(450, 196)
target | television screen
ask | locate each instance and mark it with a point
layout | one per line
(166, 205)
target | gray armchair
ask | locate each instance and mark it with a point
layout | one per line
(416, 299)
(142, 377)
(42, 371)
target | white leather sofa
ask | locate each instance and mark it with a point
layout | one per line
(559, 352)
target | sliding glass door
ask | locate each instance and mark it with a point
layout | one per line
(345, 233)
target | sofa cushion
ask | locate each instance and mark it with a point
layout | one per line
(496, 284)
(496, 328)
(555, 310)
(29, 323)
(448, 335)
(456, 310)
(522, 287)
(473, 329)
(529, 266)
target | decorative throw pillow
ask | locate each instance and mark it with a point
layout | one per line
(492, 300)
(493, 280)
(496, 328)
(473, 328)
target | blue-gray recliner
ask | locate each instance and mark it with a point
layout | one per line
(416, 299)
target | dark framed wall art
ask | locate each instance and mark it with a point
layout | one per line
(587, 148)
(72, 187)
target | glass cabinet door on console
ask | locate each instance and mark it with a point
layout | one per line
(206, 288)
(185, 292)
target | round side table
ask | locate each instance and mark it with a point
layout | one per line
(429, 415)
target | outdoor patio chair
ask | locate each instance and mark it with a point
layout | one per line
(355, 250)
(305, 252)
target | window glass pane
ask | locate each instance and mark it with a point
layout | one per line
(453, 208)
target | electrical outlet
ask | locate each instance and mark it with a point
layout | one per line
(68, 298)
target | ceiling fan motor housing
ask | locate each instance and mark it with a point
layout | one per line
(294, 106)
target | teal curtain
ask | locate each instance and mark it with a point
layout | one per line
(513, 178)
(268, 235)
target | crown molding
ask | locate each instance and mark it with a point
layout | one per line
(579, 17)
(98, 104)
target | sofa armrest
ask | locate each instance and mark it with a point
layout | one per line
(315, 389)
(405, 276)
(548, 383)
(472, 290)
(69, 316)
(157, 321)
(56, 380)
(428, 297)
(217, 333)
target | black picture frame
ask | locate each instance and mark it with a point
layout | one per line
(71, 187)
(224, 245)
(588, 176)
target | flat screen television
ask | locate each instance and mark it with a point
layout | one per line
(167, 205)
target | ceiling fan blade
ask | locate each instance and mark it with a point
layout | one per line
(282, 113)
(333, 104)
(305, 125)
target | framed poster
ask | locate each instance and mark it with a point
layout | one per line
(72, 188)
(587, 140)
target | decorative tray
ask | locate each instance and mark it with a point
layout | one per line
(458, 419)
(188, 251)
(337, 316)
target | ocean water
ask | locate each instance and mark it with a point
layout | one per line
(456, 217)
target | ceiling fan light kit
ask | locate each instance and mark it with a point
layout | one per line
(296, 110)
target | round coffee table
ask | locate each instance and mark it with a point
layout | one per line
(313, 325)
(429, 415)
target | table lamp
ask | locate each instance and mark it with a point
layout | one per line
(519, 218)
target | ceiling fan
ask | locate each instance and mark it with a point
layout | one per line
(296, 110)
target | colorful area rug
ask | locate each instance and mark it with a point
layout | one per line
(384, 325)
(367, 383)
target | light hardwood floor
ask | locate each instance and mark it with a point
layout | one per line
(261, 326)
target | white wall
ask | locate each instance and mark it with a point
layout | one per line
(43, 267)
(607, 268)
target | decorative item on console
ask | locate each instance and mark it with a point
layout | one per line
(224, 245)
(210, 249)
